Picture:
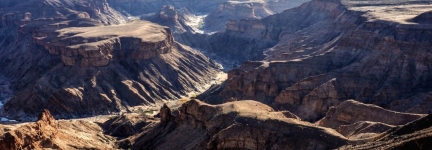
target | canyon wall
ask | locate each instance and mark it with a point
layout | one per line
(89, 62)
(334, 53)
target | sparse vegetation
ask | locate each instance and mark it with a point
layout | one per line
(147, 113)
(184, 100)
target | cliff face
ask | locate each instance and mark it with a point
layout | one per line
(75, 64)
(210, 18)
(337, 52)
(234, 125)
(94, 46)
(234, 10)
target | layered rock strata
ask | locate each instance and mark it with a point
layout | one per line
(351, 111)
(100, 45)
(415, 135)
(233, 125)
(332, 51)
(356, 120)
(74, 63)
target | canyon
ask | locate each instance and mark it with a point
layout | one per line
(244, 74)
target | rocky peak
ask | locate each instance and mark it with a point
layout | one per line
(166, 115)
(47, 133)
(34, 135)
(168, 13)
(45, 117)
(169, 16)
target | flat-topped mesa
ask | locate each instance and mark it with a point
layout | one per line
(100, 45)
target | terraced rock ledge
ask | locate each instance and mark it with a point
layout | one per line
(99, 45)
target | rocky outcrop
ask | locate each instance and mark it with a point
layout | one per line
(415, 135)
(94, 46)
(52, 134)
(235, 125)
(287, 22)
(235, 10)
(363, 129)
(126, 125)
(173, 18)
(350, 112)
(166, 115)
(424, 18)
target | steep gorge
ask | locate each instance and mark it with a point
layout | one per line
(75, 64)
(337, 52)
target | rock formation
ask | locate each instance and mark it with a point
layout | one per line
(126, 125)
(415, 135)
(75, 64)
(351, 111)
(356, 120)
(52, 134)
(139, 7)
(94, 46)
(197, 125)
(235, 125)
(235, 10)
(363, 129)
(424, 18)
(332, 51)
(327, 74)
(174, 19)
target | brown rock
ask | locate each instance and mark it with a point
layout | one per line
(363, 129)
(351, 111)
(84, 66)
(94, 46)
(166, 115)
(52, 134)
(126, 125)
(236, 125)
(335, 53)
(416, 134)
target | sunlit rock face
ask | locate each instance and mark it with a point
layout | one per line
(49, 133)
(94, 46)
(234, 125)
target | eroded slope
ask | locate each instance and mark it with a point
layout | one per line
(335, 54)
(75, 64)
